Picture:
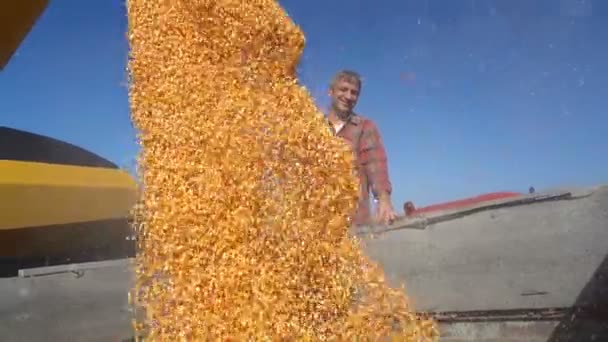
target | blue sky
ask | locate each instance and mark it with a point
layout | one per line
(471, 96)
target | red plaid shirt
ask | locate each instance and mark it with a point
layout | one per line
(372, 165)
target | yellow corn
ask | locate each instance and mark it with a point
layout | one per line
(246, 195)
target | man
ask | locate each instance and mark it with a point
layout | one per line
(363, 136)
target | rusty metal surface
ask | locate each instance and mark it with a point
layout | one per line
(438, 216)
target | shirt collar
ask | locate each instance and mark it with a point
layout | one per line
(354, 118)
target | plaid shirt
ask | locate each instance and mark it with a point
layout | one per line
(372, 165)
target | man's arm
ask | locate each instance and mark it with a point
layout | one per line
(374, 161)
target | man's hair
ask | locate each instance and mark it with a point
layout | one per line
(347, 75)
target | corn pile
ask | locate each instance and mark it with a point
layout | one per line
(246, 194)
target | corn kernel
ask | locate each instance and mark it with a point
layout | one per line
(243, 223)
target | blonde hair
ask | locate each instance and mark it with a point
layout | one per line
(347, 75)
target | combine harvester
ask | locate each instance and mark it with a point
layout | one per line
(499, 267)
(65, 238)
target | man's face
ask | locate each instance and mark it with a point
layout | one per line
(344, 95)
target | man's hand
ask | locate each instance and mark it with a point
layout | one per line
(385, 214)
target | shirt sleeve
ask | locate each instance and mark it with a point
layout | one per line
(373, 159)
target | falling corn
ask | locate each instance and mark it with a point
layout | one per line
(243, 225)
